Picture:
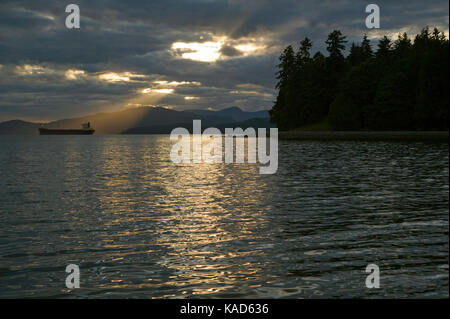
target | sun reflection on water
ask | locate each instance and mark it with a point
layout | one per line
(141, 226)
(193, 213)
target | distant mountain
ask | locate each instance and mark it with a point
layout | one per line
(15, 127)
(153, 119)
(117, 122)
(232, 114)
(105, 123)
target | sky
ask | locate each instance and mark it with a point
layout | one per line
(191, 54)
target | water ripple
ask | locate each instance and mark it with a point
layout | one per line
(140, 226)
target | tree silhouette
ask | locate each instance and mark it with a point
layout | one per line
(336, 44)
(403, 85)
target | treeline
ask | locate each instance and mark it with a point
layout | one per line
(402, 85)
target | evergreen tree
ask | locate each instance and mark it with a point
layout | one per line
(366, 49)
(383, 54)
(303, 55)
(298, 110)
(402, 45)
(336, 44)
(286, 69)
(355, 57)
(316, 94)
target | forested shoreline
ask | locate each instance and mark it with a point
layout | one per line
(399, 85)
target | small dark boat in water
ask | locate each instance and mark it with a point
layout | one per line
(86, 130)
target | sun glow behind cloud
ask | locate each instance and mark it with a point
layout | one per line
(28, 69)
(176, 83)
(159, 91)
(249, 48)
(119, 77)
(211, 51)
(203, 52)
(252, 93)
(73, 74)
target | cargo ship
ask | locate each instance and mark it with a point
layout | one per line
(85, 130)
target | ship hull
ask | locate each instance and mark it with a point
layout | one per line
(46, 131)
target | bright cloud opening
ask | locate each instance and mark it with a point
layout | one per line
(248, 92)
(211, 51)
(249, 48)
(159, 91)
(28, 69)
(119, 77)
(176, 83)
(73, 74)
(203, 52)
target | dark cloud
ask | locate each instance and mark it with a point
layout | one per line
(230, 51)
(135, 37)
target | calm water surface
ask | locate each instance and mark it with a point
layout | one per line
(140, 226)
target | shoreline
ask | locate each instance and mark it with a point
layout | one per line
(436, 136)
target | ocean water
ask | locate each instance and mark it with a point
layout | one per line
(140, 226)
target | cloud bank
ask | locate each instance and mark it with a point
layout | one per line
(179, 54)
